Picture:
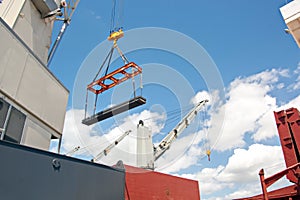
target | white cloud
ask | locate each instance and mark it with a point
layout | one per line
(208, 180)
(200, 96)
(75, 133)
(266, 127)
(244, 164)
(240, 175)
(268, 76)
(296, 84)
(293, 103)
(280, 86)
(297, 71)
(248, 110)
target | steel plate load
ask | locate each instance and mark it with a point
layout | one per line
(137, 101)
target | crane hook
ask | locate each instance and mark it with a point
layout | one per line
(208, 152)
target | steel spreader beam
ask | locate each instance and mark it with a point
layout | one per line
(114, 78)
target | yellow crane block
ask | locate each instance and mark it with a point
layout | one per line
(115, 35)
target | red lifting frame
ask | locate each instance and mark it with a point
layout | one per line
(125, 75)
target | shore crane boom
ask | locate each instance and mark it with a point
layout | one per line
(107, 149)
(173, 134)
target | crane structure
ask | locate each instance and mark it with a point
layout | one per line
(74, 150)
(146, 152)
(68, 11)
(107, 149)
(179, 128)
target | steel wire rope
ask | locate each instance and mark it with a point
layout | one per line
(171, 112)
(205, 128)
(172, 117)
(109, 55)
(120, 14)
(182, 110)
(113, 13)
(102, 65)
(175, 117)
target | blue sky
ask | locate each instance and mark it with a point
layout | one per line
(243, 42)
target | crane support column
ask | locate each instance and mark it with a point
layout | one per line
(144, 147)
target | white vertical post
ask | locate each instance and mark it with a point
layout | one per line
(145, 158)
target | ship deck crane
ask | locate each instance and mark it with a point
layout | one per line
(74, 150)
(166, 142)
(112, 145)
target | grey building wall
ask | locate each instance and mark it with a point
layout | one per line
(27, 21)
(28, 85)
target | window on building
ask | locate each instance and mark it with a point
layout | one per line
(3, 113)
(15, 125)
(11, 122)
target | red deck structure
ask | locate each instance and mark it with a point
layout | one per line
(288, 126)
(144, 184)
(280, 194)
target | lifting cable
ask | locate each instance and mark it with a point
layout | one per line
(113, 15)
(102, 65)
(173, 114)
(206, 131)
(116, 15)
